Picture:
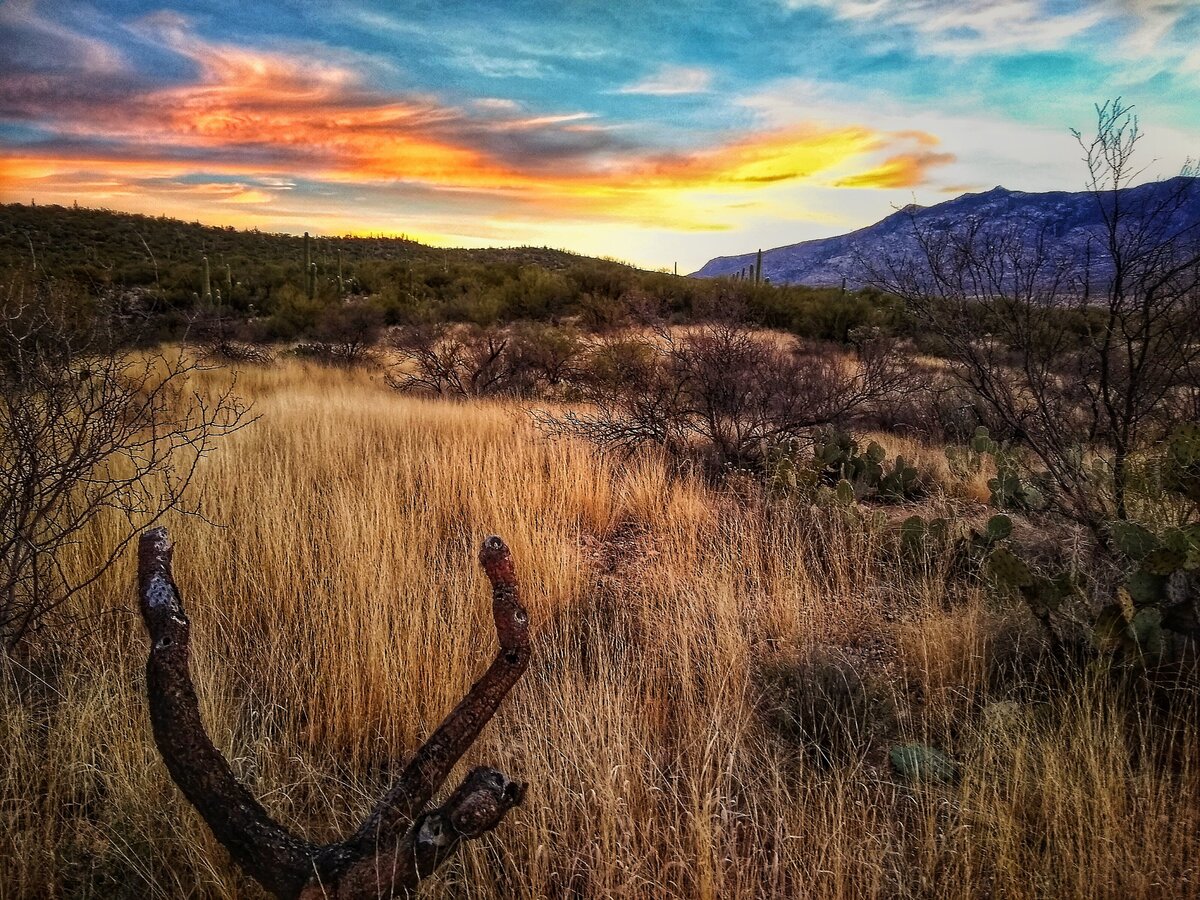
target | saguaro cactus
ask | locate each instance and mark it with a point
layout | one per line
(207, 293)
(400, 842)
(309, 269)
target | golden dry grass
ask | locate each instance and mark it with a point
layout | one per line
(338, 614)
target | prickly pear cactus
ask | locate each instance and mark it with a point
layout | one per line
(838, 454)
(1009, 491)
(782, 467)
(981, 442)
(1134, 634)
(901, 483)
(915, 539)
(1164, 584)
(999, 527)
(1009, 570)
(1182, 469)
(1043, 594)
(835, 450)
(1133, 540)
(920, 762)
(844, 493)
(968, 460)
(922, 540)
(839, 458)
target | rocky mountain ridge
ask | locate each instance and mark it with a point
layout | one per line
(1070, 220)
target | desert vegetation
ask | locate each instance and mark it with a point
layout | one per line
(715, 687)
(903, 605)
(265, 288)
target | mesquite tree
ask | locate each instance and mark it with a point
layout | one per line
(1086, 361)
(90, 431)
(400, 842)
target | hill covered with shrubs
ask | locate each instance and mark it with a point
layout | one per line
(283, 285)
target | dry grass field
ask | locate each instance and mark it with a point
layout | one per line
(339, 613)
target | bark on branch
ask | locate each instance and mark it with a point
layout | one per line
(401, 842)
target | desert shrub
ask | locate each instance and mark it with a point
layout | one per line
(350, 329)
(600, 312)
(548, 355)
(399, 303)
(236, 352)
(527, 360)
(478, 305)
(535, 294)
(825, 703)
(719, 396)
(294, 315)
(615, 364)
(458, 361)
(318, 352)
(87, 430)
(609, 282)
(221, 337)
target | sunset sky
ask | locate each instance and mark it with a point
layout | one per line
(654, 132)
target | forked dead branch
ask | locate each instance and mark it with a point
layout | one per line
(400, 842)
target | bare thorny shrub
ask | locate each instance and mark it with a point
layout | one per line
(1086, 400)
(87, 429)
(347, 332)
(214, 335)
(721, 395)
(463, 361)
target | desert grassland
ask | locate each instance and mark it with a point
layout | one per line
(339, 613)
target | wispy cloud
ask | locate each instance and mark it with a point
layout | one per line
(1146, 36)
(501, 67)
(672, 81)
(905, 170)
(30, 38)
(957, 28)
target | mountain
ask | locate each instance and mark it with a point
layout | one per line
(1067, 219)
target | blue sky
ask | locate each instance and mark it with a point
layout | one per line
(659, 133)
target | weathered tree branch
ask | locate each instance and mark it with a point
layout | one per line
(433, 762)
(401, 842)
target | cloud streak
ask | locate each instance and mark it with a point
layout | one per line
(905, 170)
(956, 28)
(671, 81)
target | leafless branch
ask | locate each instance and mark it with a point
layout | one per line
(401, 842)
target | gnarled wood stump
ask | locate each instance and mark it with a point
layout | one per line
(401, 842)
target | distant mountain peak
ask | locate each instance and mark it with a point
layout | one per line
(1070, 218)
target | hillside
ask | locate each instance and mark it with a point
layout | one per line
(160, 262)
(1069, 219)
(60, 237)
(156, 266)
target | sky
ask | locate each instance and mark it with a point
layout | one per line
(659, 133)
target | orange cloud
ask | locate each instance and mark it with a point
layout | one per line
(904, 170)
